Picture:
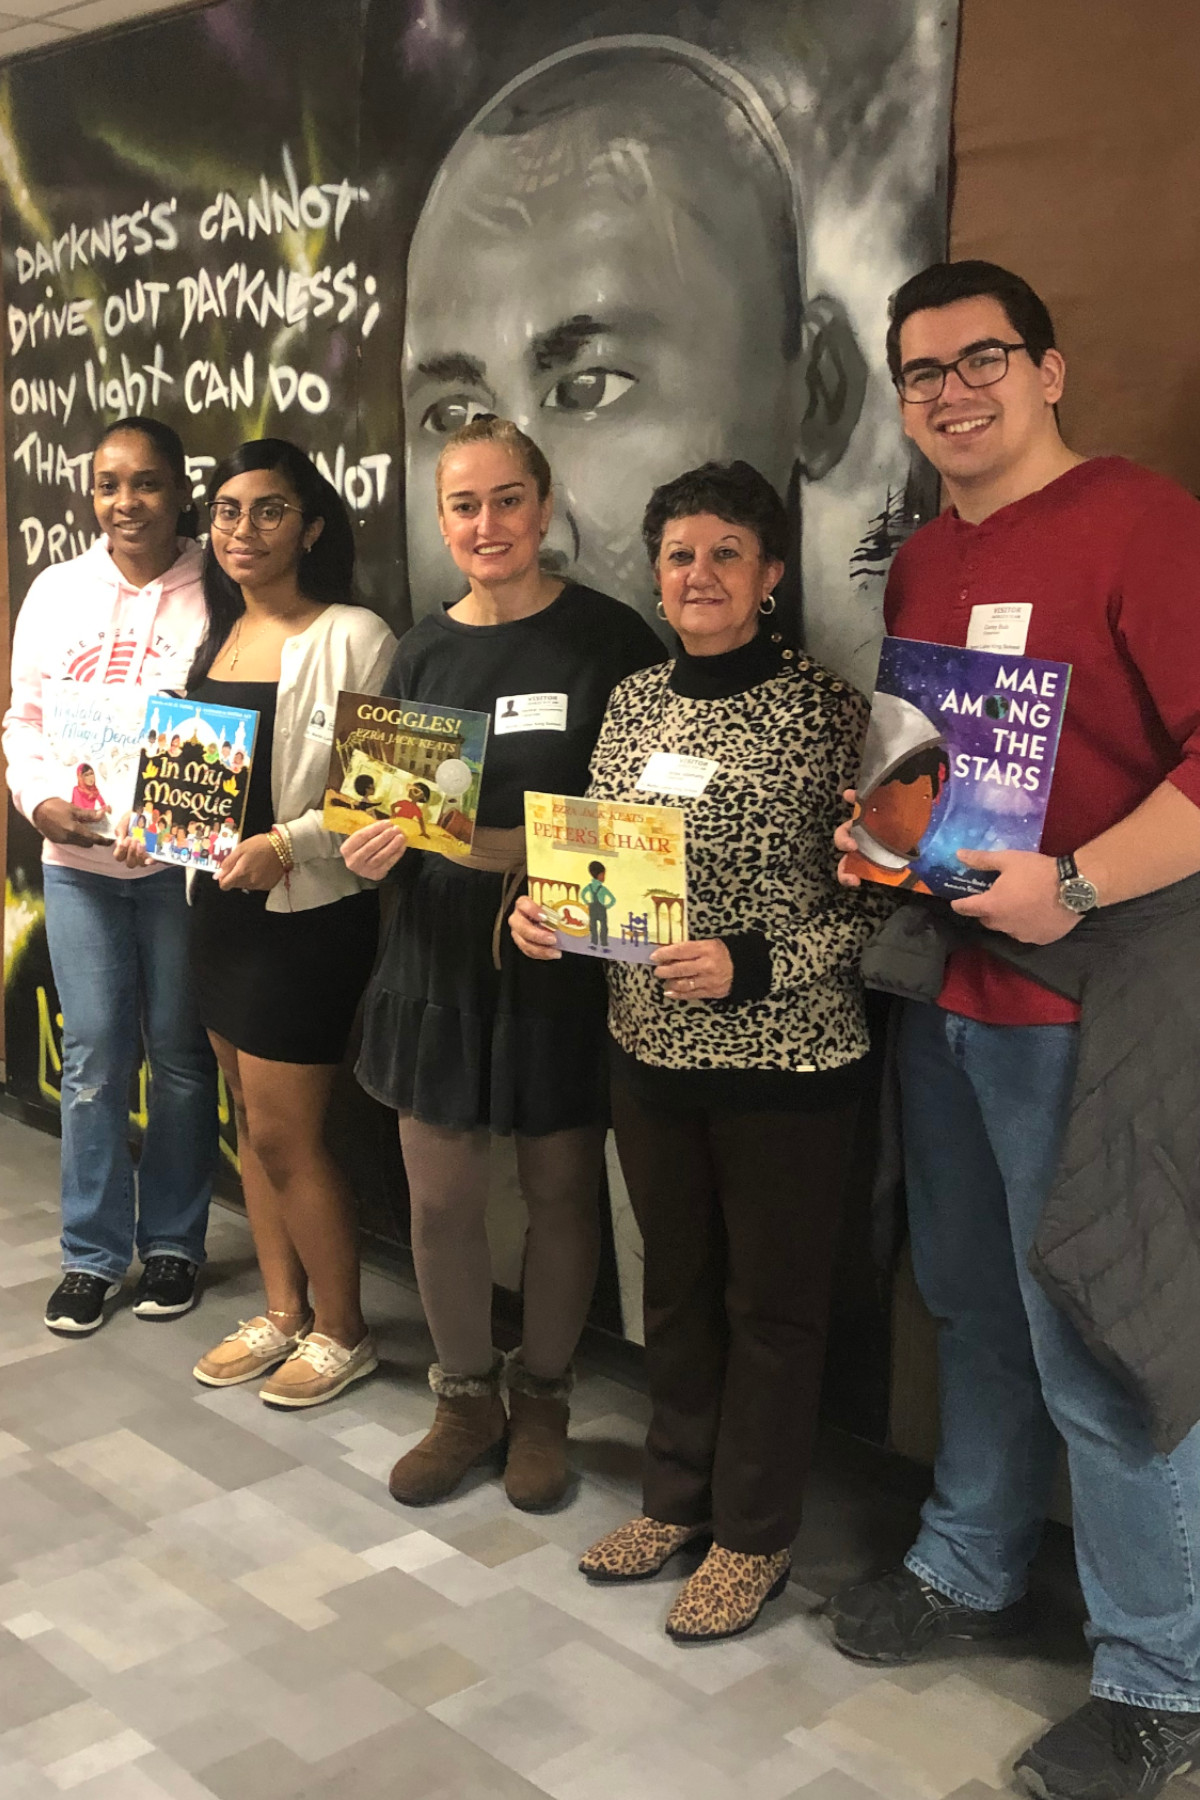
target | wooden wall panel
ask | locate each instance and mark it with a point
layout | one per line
(1077, 163)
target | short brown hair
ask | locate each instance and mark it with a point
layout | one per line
(488, 429)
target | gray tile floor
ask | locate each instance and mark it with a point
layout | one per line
(200, 1597)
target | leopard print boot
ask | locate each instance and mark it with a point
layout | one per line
(726, 1595)
(637, 1551)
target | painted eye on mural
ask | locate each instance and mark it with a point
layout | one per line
(589, 390)
(453, 412)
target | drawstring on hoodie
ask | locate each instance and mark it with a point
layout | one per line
(143, 628)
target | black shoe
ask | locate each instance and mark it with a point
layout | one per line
(1107, 1751)
(167, 1288)
(77, 1303)
(898, 1617)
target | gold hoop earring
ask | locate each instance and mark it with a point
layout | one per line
(767, 604)
(661, 610)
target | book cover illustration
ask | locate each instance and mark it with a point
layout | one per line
(610, 877)
(419, 766)
(959, 755)
(193, 775)
(92, 733)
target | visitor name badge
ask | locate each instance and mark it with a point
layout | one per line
(319, 729)
(1003, 628)
(530, 712)
(687, 776)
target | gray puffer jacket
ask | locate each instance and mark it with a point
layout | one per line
(1118, 1248)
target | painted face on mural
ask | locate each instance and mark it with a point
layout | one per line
(612, 262)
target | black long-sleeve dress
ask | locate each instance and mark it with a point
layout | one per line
(447, 1035)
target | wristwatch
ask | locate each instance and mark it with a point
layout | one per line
(1075, 891)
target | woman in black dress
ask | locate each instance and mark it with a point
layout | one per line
(464, 1037)
(283, 938)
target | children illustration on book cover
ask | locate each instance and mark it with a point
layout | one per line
(959, 755)
(419, 766)
(193, 777)
(92, 733)
(610, 878)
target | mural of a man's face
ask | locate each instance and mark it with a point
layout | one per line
(612, 262)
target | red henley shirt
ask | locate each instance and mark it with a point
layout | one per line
(1108, 556)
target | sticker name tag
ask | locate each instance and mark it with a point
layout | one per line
(1003, 628)
(687, 776)
(319, 729)
(530, 712)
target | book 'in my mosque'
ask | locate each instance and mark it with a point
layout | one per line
(959, 755)
(418, 766)
(610, 877)
(193, 775)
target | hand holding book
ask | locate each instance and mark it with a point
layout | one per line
(373, 851)
(701, 969)
(61, 823)
(532, 936)
(251, 866)
(1023, 899)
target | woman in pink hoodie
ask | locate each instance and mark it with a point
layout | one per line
(93, 639)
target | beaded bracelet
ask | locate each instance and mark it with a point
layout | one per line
(280, 841)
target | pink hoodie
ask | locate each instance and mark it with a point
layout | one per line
(82, 621)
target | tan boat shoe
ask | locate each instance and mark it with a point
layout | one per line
(254, 1348)
(637, 1551)
(318, 1369)
(726, 1594)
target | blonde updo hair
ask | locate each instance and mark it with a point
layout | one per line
(488, 429)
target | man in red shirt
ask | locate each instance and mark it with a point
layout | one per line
(1094, 562)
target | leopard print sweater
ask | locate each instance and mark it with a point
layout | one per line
(759, 858)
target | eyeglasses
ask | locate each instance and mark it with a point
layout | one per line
(265, 515)
(979, 368)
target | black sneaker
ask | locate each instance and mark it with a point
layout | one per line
(77, 1303)
(167, 1288)
(898, 1617)
(1107, 1751)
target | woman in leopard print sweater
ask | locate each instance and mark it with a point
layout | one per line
(737, 1056)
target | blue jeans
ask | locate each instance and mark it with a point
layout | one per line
(119, 954)
(984, 1109)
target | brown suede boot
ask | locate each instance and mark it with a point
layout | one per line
(536, 1474)
(470, 1425)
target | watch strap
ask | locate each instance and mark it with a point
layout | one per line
(1068, 868)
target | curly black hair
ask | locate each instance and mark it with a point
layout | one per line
(735, 492)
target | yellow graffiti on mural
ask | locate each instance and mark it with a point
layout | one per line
(49, 1079)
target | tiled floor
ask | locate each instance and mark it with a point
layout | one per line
(200, 1597)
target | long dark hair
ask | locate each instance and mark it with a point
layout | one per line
(326, 571)
(169, 445)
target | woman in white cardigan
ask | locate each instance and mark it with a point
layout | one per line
(283, 938)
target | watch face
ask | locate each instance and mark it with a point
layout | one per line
(1077, 895)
